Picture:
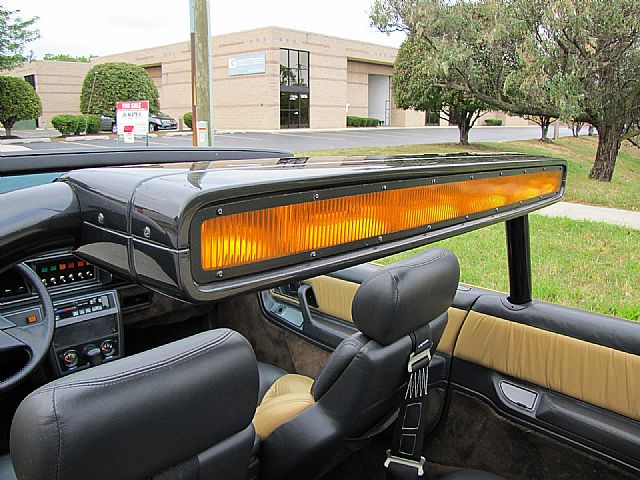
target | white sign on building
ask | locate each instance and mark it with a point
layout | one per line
(247, 64)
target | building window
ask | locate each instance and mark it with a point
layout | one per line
(294, 88)
(31, 80)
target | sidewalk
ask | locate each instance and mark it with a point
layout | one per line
(576, 211)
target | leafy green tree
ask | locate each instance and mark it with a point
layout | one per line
(416, 85)
(108, 83)
(587, 54)
(65, 57)
(18, 101)
(15, 33)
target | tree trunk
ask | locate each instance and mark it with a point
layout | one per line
(609, 139)
(463, 129)
(8, 127)
(544, 129)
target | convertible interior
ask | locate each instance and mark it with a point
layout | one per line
(219, 314)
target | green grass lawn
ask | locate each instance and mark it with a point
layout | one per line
(587, 265)
(622, 192)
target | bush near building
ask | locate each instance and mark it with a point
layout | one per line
(65, 124)
(88, 124)
(18, 101)
(188, 119)
(493, 122)
(362, 121)
(108, 83)
(76, 124)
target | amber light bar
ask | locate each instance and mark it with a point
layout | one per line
(269, 233)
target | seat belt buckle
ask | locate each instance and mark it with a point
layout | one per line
(421, 357)
(418, 465)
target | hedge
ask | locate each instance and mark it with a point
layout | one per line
(493, 122)
(88, 124)
(65, 124)
(353, 121)
(76, 124)
(188, 119)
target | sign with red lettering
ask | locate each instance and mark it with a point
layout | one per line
(133, 117)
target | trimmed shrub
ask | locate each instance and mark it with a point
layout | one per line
(108, 83)
(188, 119)
(18, 101)
(353, 121)
(92, 123)
(65, 124)
(493, 122)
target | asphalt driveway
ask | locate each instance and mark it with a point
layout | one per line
(317, 140)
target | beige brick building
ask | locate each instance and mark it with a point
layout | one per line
(267, 78)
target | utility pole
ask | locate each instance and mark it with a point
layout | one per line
(201, 73)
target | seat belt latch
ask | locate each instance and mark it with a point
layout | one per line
(421, 356)
(418, 465)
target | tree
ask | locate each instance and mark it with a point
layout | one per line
(15, 33)
(65, 57)
(18, 101)
(586, 53)
(108, 83)
(414, 85)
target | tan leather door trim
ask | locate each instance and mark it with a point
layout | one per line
(599, 375)
(335, 296)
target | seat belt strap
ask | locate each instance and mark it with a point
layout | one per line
(404, 458)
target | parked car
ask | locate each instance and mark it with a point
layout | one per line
(159, 121)
(108, 124)
(137, 300)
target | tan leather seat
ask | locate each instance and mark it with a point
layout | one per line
(287, 397)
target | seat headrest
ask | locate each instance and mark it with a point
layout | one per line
(400, 298)
(139, 415)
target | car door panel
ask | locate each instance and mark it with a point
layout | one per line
(582, 367)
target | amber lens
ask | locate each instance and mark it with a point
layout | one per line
(258, 235)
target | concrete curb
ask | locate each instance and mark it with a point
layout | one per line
(178, 134)
(18, 141)
(369, 129)
(87, 138)
(13, 148)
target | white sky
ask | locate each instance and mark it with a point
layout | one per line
(102, 27)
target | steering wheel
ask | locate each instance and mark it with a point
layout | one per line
(35, 339)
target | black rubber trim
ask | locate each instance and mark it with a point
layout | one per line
(63, 160)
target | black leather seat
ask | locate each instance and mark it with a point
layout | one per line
(303, 423)
(182, 410)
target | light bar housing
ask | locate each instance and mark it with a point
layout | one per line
(204, 231)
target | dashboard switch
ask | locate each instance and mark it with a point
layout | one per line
(107, 348)
(93, 354)
(70, 358)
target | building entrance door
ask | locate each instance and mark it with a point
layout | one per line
(379, 97)
(294, 109)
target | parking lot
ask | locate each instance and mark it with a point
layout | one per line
(298, 141)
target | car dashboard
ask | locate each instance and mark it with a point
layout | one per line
(91, 308)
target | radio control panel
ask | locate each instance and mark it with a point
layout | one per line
(88, 332)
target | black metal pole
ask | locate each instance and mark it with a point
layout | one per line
(519, 255)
